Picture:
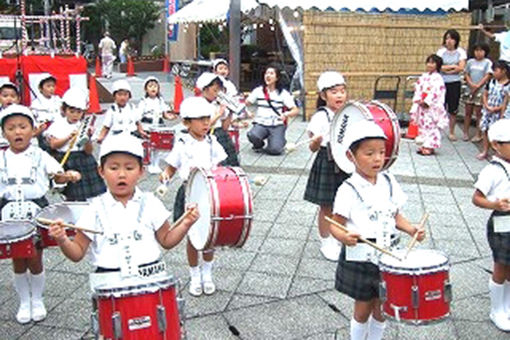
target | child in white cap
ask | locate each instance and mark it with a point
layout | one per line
(368, 204)
(325, 176)
(46, 108)
(122, 116)
(195, 149)
(32, 168)
(493, 192)
(152, 106)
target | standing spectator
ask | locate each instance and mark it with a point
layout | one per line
(106, 47)
(123, 50)
(454, 60)
(504, 43)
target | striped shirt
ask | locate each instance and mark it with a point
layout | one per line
(265, 114)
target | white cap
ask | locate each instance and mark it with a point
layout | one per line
(9, 84)
(355, 132)
(500, 131)
(148, 79)
(76, 97)
(124, 143)
(121, 84)
(196, 107)
(45, 77)
(218, 61)
(16, 109)
(206, 79)
(329, 79)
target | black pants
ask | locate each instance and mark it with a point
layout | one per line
(275, 136)
(452, 97)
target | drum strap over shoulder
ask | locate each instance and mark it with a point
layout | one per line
(499, 165)
(386, 176)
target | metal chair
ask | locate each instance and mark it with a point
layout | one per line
(391, 94)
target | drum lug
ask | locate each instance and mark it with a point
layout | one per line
(382, 291)
(415, 297)
(397, 310)
(181, 303)
(117, 326)
(161, 313)
(94, 322)
(448, 295)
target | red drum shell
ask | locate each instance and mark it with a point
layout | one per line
(17, 239)
(161, 139)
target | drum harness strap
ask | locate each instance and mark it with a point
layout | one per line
(500, 165)
(34, 154)
(328, 146)
(116, 108)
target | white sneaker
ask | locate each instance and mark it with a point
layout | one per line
(195, 286)
(38, 310)
(501, 321)
(497, 314)
(23, 316)
(330, 248)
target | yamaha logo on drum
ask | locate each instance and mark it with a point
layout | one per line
(139, 323)
(343, 127)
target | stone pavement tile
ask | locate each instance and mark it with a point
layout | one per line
(390, 333)
(206, 304)
(297, 231)
(72, 314)
(44, 332)
(444, 330)
(441, 207)
(52, 257)
(468, 330)
(234, 259)
(472, 309)
(212, 327)
(269, 160)
(177, 255)
(285, 247)
(408, 187)
(318, 269)
(260, 228)
(63, 284)
(321, 336)
(68, 266)
(431, 198)
(278, 187)
(453, 219)
(294, 212)
(253, 243)
(264, 284)
(306, 286)
(241, 301)
(480, 236)
(299, 190)
(413, 211)
(227, 280)
(267, 210)
(426, 189)
(457, 250)
(13, 330)
(468, 279)
(6, 283)
(442, 232)
(249, 157)
(9, 308)
(343, 304)
(275, 264)
(312, 250)
(290, 319)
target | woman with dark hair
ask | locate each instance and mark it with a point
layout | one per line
(454, 61)
(274, 106)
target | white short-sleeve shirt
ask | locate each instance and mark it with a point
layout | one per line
(504, 48)
(32, 163)
(493, 182)
(61, 129)
(122, 119)
(46, 109)
(320, 124)
(143, 215)
(265, 114)
(149, 107)
(189, 153)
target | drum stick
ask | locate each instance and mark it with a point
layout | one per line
(68, 152)
(180, 219)
(415, 236)
(47, 221)
(290, 147)
(370, 243)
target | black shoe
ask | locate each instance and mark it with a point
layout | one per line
(257, 150)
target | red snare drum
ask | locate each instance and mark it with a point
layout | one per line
(224, 199)
(161, 138)
(146, 152)
(417, 289)
(69, 212)
(17, 239)
(138, 309)
(234, 135)
(354, 111)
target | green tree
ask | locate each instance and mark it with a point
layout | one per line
(128, 18)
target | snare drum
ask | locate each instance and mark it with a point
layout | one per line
(146, 152)
(417, 289)
(17, 239)
(138, 309)
(225, 203)
(234, 136)
(69, 212)
(354, 111)
(161, 138)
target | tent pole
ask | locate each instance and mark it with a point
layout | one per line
(234, 54)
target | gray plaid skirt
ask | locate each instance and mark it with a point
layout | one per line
(324, 180)
(225, 141)
(359, 280)
(90, 185)
(498, 242)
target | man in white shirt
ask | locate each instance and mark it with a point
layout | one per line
(504, 43)
(106, 47)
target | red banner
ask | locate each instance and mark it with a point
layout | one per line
(7, 69)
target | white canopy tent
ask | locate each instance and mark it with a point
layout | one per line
(202, 11)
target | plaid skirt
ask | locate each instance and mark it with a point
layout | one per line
(498, 242)
(180, 202)
(324, 180)
(225, 141)
(359, 280)
(90, 185)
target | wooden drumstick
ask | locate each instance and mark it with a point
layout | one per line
(415, 236)
(180, 219)
(290, 147)
(68, 152)
(47, 221)
(370, 243)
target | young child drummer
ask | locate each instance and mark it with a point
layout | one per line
(197, 148)
(28, 163)
(493, 192)
(121, 212)
(368, 204)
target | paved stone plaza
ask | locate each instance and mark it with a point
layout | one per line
(278, 286)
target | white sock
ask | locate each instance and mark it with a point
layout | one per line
(37, 285)
(207, 270)
(375, 329)
(22, 286)
(506, 298)
(194, 272)
(358, 330)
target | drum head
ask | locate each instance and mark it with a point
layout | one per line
(418, 260)
(12, 231)
(198, 192)
(69, 212)
(112, 284)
